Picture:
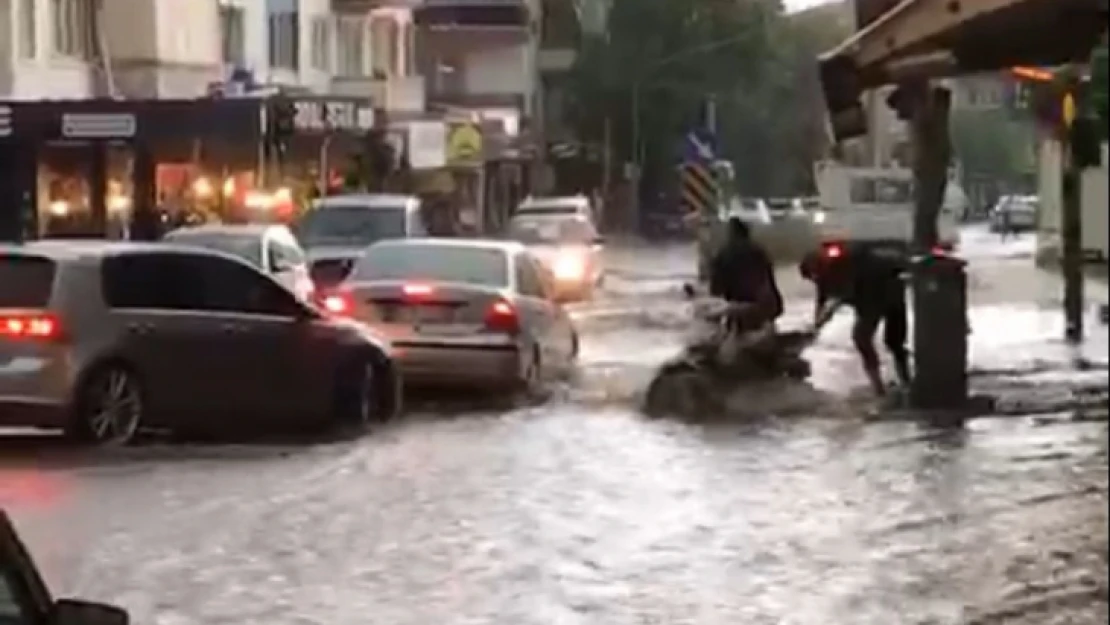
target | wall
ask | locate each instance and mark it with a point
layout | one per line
(508, 70)
(42, 76)
(1093, 198)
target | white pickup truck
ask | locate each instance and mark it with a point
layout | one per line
(874, 205)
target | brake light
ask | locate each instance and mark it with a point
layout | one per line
(416, 290)
(335, 303)
(833, 250)
(35, 326)
(502, 317)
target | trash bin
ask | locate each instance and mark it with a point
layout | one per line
(939, 284)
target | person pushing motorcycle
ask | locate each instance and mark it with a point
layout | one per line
(741, 272)
(872, 285)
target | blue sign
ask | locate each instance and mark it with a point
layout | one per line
(699, 146)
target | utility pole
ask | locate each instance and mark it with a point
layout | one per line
(1071, 218)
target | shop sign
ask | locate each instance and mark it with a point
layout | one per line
(328, 115)
(427, 144)
(98, 125)
(464, 144)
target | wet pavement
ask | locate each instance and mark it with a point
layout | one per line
(581, 512)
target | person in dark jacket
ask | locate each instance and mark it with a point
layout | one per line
(872, 284)
(742, 272)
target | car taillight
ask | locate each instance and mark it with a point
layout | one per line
(30, 326)
(416, 291)
(501, 316)
(833, 250)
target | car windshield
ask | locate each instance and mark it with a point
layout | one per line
(244, 246)
(355, 225)
(437, 263)
(27, 281)
(550, 231)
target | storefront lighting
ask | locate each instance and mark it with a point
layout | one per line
(229, 187)
(259, 200)
(202, 188)
(119, 203)
(59, 208)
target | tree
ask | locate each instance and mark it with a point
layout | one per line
(747, 55)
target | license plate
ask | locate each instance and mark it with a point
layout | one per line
(418, 314)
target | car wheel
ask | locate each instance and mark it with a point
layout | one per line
(533, 382)
(109, 407)
(356, 401)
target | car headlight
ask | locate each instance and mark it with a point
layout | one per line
(819, 217)
(569, 267)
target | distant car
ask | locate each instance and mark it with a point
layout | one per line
(102, 339)
(557, 205)
(26, 600)
(464, 313)
(1014, 213)
(569, 246)
(751, 210)
(338, 228)
(271, 248)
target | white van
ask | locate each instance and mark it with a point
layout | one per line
(876, 205)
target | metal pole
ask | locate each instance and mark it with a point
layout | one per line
(1072, 243)
(634, 155)
(323, 164)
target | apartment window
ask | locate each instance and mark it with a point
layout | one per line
(72, 21)
(350, 43)
(28, 41)
(386, 41)
(233, 40)
(321, 43)
(285, 43)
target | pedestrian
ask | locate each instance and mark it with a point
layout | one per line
(873, 285)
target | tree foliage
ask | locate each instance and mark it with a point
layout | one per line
(756, 62)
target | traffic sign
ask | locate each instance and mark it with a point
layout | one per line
(699, 189)
(699, 146)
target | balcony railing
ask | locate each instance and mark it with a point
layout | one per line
(465, 14)
(395, 94)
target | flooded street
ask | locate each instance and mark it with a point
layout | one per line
(582, 512)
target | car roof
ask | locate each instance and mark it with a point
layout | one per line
(77, 249)
(246, 230)
(555, 200)
(509, 247)
(369, 201)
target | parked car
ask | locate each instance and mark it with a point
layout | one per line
(26, 600)
(271, 248)
(564, 205)
(569, 246)
(102, 339)
(1014, 213)
(462, 312)
(336, 230)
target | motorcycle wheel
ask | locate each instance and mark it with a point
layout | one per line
(677, 393)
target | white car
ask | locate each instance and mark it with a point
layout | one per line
(271, 248)
(568, 205)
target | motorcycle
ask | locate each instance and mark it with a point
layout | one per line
(729, 347)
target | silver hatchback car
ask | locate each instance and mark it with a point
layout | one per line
(101, 338)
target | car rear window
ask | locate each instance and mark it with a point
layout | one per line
(248, 248)
(25, 281)
(351, 225)
(435, 263)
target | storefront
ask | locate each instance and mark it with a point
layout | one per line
(109, 165)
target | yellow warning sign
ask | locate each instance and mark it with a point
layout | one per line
(464, 145)
(699, 189)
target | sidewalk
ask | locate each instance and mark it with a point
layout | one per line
(1016, 347)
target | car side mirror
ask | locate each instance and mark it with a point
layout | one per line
(599, 240)
(76, 612)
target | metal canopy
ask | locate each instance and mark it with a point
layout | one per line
(953, 37)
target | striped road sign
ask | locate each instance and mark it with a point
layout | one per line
(699, 188)
(5, 121)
